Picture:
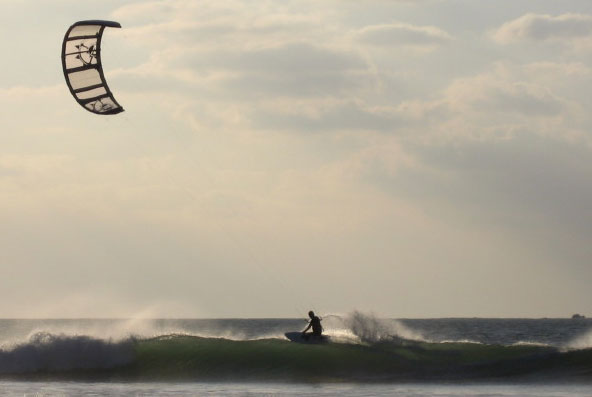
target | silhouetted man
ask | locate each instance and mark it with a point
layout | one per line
(315, 323)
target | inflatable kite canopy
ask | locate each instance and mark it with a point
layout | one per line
(81, 60)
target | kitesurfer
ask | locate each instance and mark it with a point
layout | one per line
(315, 323)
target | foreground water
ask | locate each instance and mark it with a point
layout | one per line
(51, 389)
(367, 356)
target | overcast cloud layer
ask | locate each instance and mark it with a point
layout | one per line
(410, 158)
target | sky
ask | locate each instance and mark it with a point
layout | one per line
(409, 158)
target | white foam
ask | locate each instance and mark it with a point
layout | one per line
(528, 343)
(467, 341)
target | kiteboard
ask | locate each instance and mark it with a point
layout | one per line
(299, 338)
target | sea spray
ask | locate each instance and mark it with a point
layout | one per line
(583, 341)
(371, 329)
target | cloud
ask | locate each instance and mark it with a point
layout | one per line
(494, 104)
(494, 93)
(394, 35)
(143, 12)
(542, 27)
(497, 103)
(554, 70)
(295, 69)
(216, 24)
(292, 69)
(327, 118)
(285, 59)
(292, 57)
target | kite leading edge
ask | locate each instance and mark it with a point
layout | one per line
(81, 61)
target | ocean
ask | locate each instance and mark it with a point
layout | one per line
(367, 356)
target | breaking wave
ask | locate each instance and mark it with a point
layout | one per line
(380, 358)
(46, 352)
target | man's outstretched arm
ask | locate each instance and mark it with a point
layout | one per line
(308, 327)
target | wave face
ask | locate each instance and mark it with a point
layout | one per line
(193, 358)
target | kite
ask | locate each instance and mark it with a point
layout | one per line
(81, 61)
